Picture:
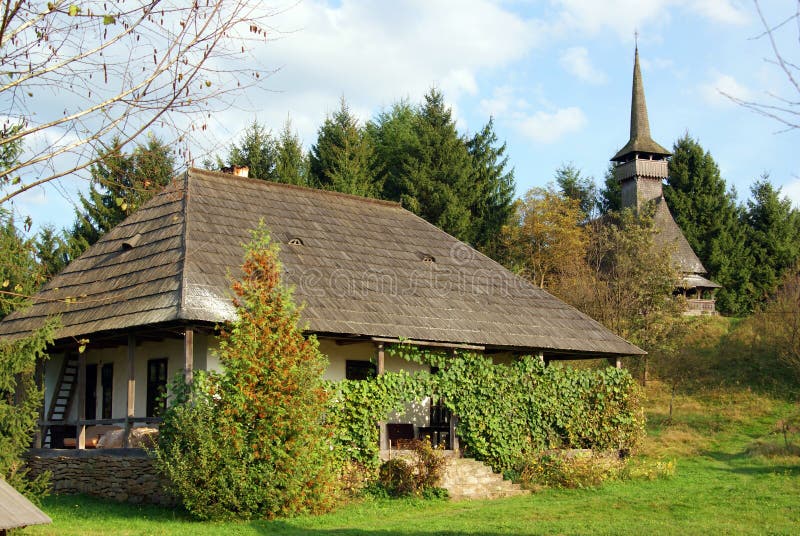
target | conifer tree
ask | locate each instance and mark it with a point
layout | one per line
(575, 186)
(610, 197)
(695, 193)
(257, 150)
(493, 190)
(393, 136)
(774, 232)
(291, 161)
(121, 183)
(436, 171)
(260, 447)
(343, 157)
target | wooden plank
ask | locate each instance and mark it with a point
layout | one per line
(131, 388)
(383, 438)
(188, 354)
(429, 343)
(381, 358)
(453, 437)
(80, 437)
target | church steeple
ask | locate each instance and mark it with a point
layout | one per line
(640, 143)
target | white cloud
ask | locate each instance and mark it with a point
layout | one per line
(547, 127)
(624, 16)
(376, 53)
(723, 11)
(792, 190)
(721, 87)
(576, 61)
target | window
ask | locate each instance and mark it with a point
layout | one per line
(107, 385)
(360, 370)
(156, 386)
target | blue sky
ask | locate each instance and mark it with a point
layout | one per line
(555, 75)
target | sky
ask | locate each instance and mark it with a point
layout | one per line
(555, 76)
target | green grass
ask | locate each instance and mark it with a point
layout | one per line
(719, 487)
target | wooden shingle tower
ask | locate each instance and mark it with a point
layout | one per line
(641, 167)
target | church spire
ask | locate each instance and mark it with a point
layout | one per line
(640, 141)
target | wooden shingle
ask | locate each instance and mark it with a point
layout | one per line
(360, 271)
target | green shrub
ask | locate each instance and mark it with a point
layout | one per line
(419, 474)
(566, 470)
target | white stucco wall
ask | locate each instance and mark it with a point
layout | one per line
(172, 349)
(206, 358)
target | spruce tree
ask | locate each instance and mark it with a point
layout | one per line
(575, 186)
(393, 136)
(343, 157)
(610, 197)
(437, 172)
(493, 190)
(712, 222)
(774, 232)
(291, 161)
(121, 183)
(257, 150)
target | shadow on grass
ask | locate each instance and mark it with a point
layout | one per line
(752, 467)
(68, 510)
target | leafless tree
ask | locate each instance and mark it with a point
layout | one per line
(74, 75)
(783, 109)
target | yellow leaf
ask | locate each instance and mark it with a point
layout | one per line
(81, 348)
(118, 200)
(74, 10)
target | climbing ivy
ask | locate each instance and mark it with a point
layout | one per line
(356, 406)
(506, 412)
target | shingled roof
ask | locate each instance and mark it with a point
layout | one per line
(670, 235)
(362, 267)
(640, 140)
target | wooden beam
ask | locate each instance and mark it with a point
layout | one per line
(381, 358)
(383, 437)
(453, 437)
(188, 354)
(80, 437)
(38, 377)
(131, 404)
(429, 343)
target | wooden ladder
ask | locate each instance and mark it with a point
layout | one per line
(61, 402)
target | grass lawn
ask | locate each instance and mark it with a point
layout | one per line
(722, 485)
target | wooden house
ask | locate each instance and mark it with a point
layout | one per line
(641, 167)
(147, 298)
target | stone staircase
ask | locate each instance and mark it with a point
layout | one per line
(466, 478)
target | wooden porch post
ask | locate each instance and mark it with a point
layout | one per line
(188, 354)
(80, 429)
(383, 438)
(618, 362)
(131, 388)
(38, 378)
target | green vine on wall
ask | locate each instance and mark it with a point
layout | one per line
(506, 412)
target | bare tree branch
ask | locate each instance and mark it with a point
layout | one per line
(784, 110)
(75, 74)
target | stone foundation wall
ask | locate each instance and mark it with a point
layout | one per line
(125, 475)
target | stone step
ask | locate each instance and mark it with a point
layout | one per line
(466, 478)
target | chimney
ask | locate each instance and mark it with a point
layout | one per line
(239, 171)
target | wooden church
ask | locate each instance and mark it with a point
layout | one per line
(641, 166)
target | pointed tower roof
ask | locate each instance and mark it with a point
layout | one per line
(640, 141)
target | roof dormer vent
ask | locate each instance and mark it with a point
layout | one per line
(295, 241)
(131, 242)
(428, 258)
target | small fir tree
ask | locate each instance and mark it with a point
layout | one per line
(252, 442)
(257, 151)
